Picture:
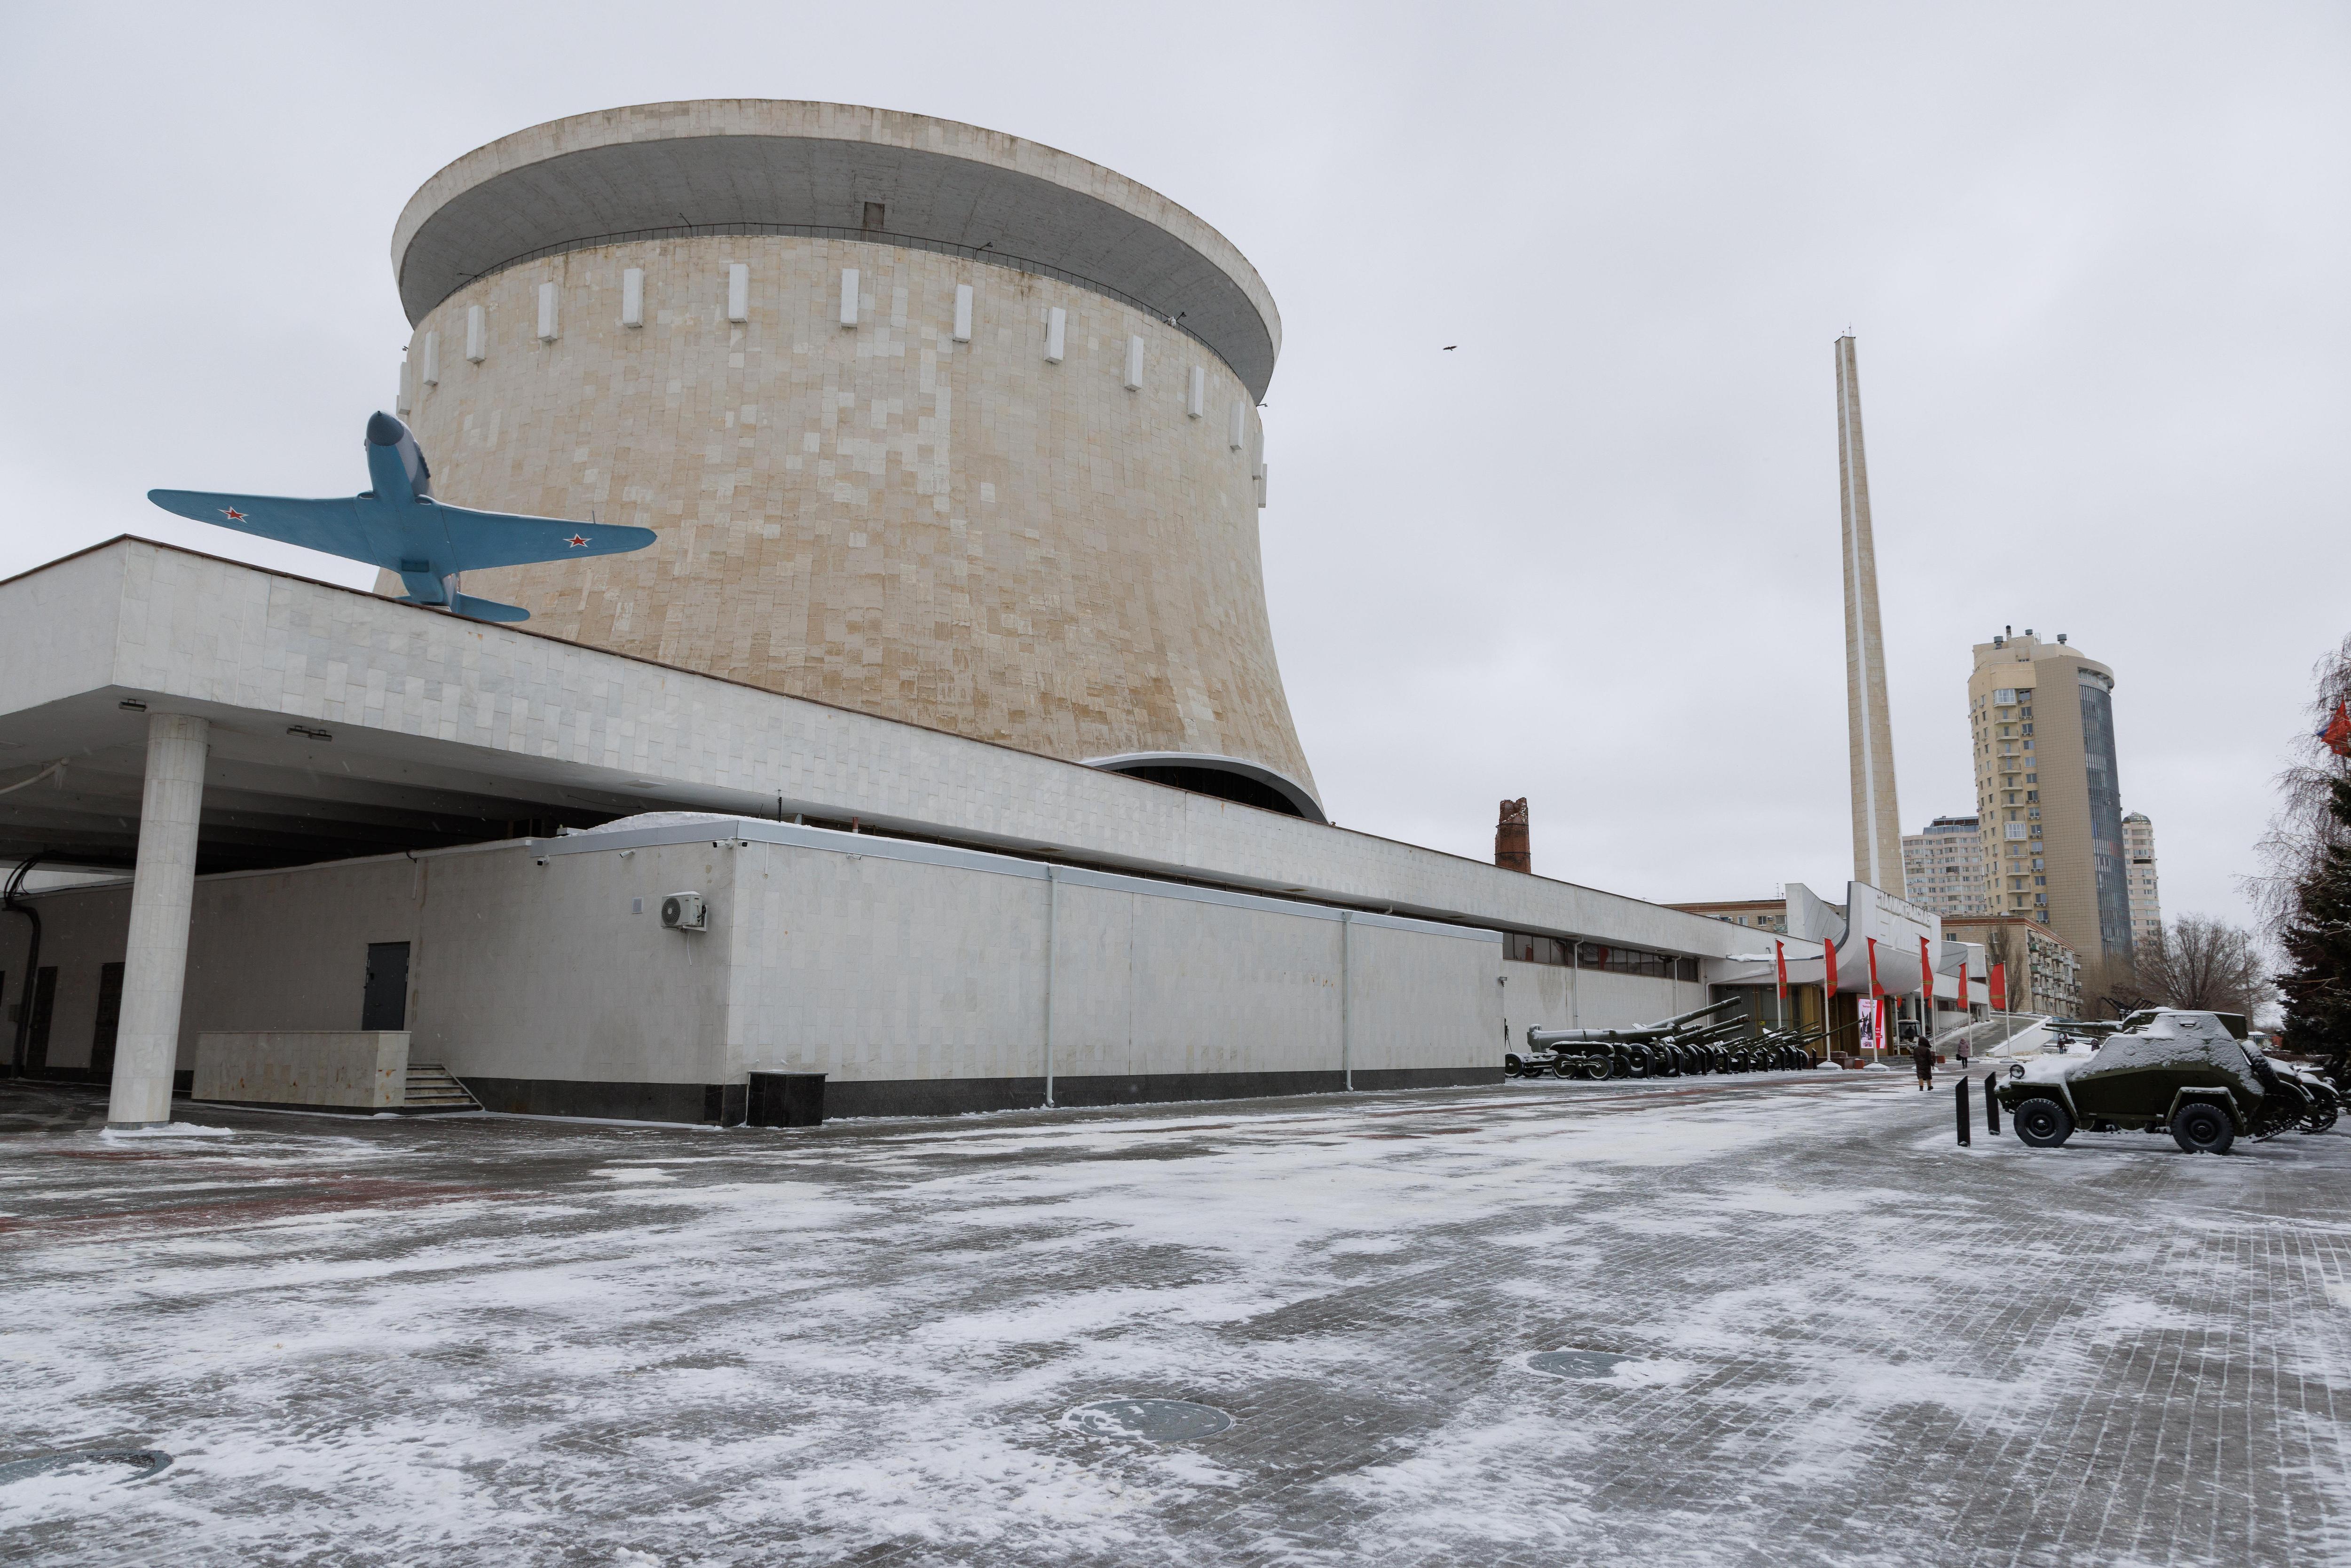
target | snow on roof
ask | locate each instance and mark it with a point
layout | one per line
(660, 820)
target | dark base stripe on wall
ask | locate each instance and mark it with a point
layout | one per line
(725, 1102)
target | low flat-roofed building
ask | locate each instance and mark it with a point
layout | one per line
(1756, 913)
(936, 921)
(2044, 972)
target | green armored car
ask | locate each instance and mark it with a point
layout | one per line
(2187, 1073)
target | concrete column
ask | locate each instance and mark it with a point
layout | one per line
(163, 891)
(1346, 997)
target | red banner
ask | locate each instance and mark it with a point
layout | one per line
(1926, 981)
(1828, 961)
(1966, 1001)
(1779, 961)
(1874, 988)
(2000, 988)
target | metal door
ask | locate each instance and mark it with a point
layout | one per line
(385, 1005)
(109, 1018)
(44, 1005)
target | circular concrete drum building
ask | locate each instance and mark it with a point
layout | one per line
(932, 423)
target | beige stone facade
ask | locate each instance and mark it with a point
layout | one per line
(1759, 914)
(2146, 895)
(2044, 973)
(1943, 868)
(921, 516)
(2041, 717)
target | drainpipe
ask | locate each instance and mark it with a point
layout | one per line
(32, 965)
(1346, 985)
(1052, 903)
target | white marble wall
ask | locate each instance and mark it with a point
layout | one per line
(425, 688)
(876, 961)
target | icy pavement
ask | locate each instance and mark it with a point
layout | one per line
(1842, 1338)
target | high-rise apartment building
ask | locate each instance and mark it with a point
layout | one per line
(2138, 852)
(2049, 793)
(1943, 868)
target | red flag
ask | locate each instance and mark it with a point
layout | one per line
(1925, 980)
(1874, 988)
(1780, 960)
(2000, 988)
(1966, 1001)
(2337, 733)
(1828, 960)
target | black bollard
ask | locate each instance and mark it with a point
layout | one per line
(1959, 1101)
(1992, 1105)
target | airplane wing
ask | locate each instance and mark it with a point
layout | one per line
(478, 540)
(333, 526)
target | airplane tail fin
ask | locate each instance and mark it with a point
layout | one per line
(474, 609)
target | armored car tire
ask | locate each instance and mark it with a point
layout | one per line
(2201, 1128)
(2043, 1122)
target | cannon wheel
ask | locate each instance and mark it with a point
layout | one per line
(1598, 1067)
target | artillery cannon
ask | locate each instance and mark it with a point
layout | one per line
(1683, 1045)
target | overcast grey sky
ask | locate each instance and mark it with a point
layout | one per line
(2094, 255)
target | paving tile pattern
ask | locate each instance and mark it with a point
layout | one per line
(501, 1341)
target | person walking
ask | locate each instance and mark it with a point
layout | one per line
(1923, 1053)
(1960, 1050)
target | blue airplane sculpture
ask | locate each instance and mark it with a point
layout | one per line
(399, 526)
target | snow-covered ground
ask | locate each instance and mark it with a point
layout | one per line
(1846, 1340)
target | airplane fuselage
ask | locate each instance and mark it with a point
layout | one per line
(399, 526)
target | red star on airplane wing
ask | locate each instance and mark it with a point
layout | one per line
(231, 514)
(575, 542)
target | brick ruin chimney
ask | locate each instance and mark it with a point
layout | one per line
(1511, 850)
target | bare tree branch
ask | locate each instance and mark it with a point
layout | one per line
(2205, 964)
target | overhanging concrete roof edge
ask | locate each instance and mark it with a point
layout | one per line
(811, 121)
(481, 694)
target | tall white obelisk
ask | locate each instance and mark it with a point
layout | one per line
(1876, 818)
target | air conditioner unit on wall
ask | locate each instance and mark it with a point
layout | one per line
(685, 912)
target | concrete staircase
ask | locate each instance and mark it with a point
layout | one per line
(433, 1090)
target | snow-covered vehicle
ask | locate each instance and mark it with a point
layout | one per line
(2326, 1100)
(2166, 1070)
